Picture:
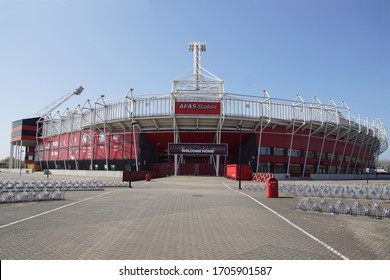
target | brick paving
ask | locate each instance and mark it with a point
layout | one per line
(183, 218)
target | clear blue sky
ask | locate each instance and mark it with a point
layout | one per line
(336, 49)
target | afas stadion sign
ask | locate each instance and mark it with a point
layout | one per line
(197, 108)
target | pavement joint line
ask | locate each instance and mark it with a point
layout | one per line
(292, 224)
(55, 209)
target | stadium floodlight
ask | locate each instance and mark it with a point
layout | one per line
(45, 112)
(79, 90)
(197, 46)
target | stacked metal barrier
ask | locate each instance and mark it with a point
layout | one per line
(254, 187)
(340, 193)
(115, 184)
(355, 191)
(19, 190)
(373, 209)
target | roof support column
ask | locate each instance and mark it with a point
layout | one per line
(307, 149)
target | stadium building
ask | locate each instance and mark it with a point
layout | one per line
(198, 129)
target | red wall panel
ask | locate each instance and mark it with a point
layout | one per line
(128, 140)
(74, 153)
(116, 145)
(85, 153)
(74, 139)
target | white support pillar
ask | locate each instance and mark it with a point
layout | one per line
(136, 151)
(353, 149)
(370, 144)
(105, 144)
(11, 156)
(262, 128)
(293, 131)
(345, 147)
(176, 141)
(322, 147)
(326, 135)
(21, 156)
(338, 137)
(307, 149)
(358, 156)
(91, 145)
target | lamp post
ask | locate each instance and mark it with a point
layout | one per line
(158, 144)
(131, 152)
(238, 126)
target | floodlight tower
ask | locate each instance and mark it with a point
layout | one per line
(45, 112)
(197, 48)
(198, 80)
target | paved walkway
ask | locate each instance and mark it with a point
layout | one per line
(184, 218)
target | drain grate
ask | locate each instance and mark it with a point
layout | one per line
(197, 195)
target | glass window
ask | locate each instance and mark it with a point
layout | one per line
(309, 154)
(340, 170)
(332, 170)
(293, 153)
(295, 169)
(322, 155)
(279, 168)
(265, 150)
(265, 167)
(278, 152)
(309, 169)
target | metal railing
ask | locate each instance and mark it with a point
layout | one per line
(233, 106)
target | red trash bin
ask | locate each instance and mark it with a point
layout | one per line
(147, 176)
(271, 188)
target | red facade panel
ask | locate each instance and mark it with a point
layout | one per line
(64, 153)
(74, 139)
(85, 153)
(100, 152)
(85, 144)
(74, 145)
(63, 146)
(116, 145)
(54, 144)
(100, 147)
(129, 144)
(64, 141)
(86, 137)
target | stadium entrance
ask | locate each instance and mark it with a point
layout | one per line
(197, 158)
